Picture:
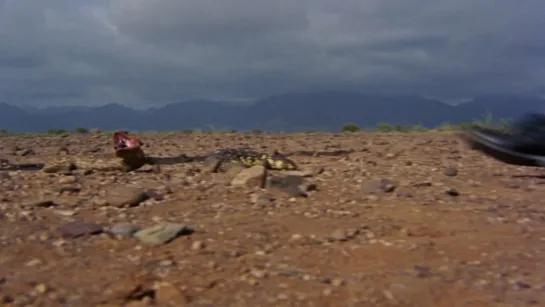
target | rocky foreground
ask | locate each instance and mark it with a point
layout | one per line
(404, 220)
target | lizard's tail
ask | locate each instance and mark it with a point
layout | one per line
(22, 167)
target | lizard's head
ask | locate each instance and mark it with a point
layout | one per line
(281, 162)
(124, 144)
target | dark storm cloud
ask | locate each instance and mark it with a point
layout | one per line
(144, 52)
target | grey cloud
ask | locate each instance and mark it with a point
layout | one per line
(141, 52)
(205, 21)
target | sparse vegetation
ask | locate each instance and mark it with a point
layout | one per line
(385, 127)
(486, 121)
(350, 128)
(81, 130)
(56, 131)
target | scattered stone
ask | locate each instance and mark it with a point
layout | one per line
(197, 245)
(166, 263)
(422, 271)
(40, 288)
(230, 168)
(123, 229)
(342, 234)
(33, 262)
(101, 202)
(79, 228)
(512, 185)
(337, 282)
(292, 185)
(379, 185)
(125, 196)
(262, 200)
(166, 294)
(66, 212)
(70, 179)
(422, 184)
(42, 203)
(149, 169)
(254, 176)
(452, 192)
(6, 299)
(404, 194)
(162, 233)
(522, 285)
(129, 290)
(296, 237)
(258, 273)
(68, 190)
(25, 152)
(63, 151)
(338, 235)
(450, 171)
(309, 186)
(4, 175)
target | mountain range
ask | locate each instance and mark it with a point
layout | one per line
(326, 111)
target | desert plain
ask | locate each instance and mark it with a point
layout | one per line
(400, 219)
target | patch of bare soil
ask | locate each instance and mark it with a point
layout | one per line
(404, 220)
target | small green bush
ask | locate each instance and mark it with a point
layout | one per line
(56, 131)
(81, 130)
(384, 127)
(418, 128)
(350, 128)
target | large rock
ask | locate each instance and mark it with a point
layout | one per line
(293, 185)
(254, 176)
(125, 196)
(162, 233)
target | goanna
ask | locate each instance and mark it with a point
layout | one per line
(129, 156)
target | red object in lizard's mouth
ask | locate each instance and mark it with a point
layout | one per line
(122, 140)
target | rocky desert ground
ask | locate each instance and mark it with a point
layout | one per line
(405, 219)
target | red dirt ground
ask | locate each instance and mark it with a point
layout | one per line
(447, 227)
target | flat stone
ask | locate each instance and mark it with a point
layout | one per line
(379, 185)
(79, 228)
(450, 171)
(289, 184)
(253, 176)
(162, 233)
(123, 229)
(125, 196)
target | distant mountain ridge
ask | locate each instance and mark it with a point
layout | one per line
(326, 111)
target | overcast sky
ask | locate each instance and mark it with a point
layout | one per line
(143, 52)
